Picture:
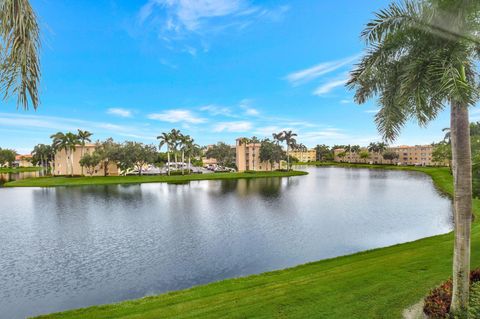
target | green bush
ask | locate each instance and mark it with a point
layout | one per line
(474, 309)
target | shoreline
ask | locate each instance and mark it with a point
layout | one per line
(136, 179)
(378, 283)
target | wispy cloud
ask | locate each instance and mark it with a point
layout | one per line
(314, 72)
(176, 116)
(182, 20)
(329, 86)
(372, 111)
(119, 112)
(238, 126)
(216, 110)
(345, 101)
(246, 104)
(51, 124)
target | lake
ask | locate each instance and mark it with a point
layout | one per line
(71, 247)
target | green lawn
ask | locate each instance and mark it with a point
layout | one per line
(19, 169)
(101, 180)
(374, 284)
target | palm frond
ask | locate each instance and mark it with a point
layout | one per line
(19, 56)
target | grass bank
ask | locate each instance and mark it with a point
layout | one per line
(106, 180)
(374, 284)
(19, 169)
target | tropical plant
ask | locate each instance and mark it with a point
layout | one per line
(66, 141)
(390, 156)
(223, 153)
(90, 162)
(364, 155)
(19, 52)
(271, 152)
(166, 139)
(323, 152)
(289, 138)
(42, 155)
(7, 157)
(423, 54)
(83, 137)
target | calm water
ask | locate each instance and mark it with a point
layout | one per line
(72, 247)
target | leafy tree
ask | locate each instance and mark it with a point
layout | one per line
(7, 157)
(390, 156)
(364, 155)
(19, 56)
(422, 55)
(109, 152)
(271, 152)
(223, 153)
(90, 162)
(442, 152)
(323, 152)
(134, 155)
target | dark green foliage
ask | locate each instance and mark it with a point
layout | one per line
(223, 153)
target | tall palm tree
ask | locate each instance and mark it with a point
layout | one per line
(254, 140)
(19, 52)
(372, 147)
(289, 138)
(66, 142)
(83, 137)
(175, 137)
(165, 139)
(277, 137)
(184, 140)
(422, 55)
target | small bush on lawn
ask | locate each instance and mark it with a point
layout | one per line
(437, 303)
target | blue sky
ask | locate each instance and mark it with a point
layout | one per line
(216, 69)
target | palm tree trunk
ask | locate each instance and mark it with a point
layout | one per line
(183, 161)
(288, 158)
(168, 161)
(462, 203)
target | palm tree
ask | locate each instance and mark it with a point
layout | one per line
(190, 149)
(289, 138)
(381, 147)
(175, 137)
(184, 140)
(372, 147)
(165, 139)
(66, 142)
(422, 55)
(277, 137)
(254, 140)
(19, 56)
(83, 137)
(447, 137)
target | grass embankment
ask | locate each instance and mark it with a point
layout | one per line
(373, 284)
(19, 169)
(106, 180)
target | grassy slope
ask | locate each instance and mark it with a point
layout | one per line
(101, 180)
(374, 284)
(19, 169)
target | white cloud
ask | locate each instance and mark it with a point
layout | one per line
(307, 75)
(216, 110)
(239, 126)
(119, 112)
(345, 101)
(329, 86)
(184, 20)
(175, 116)
(249, 110)
(372, 111)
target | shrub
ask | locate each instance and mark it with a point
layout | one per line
(474, 309)
(437, 303)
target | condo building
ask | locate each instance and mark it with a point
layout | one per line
(62, 162)
(419, 155)
(248, 157)
(305, 156)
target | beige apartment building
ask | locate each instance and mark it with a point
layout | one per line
(420, 155)
(23, 161)
(61, 164)
(248, 157)
(305, 156)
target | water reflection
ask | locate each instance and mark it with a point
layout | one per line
(71, 247)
